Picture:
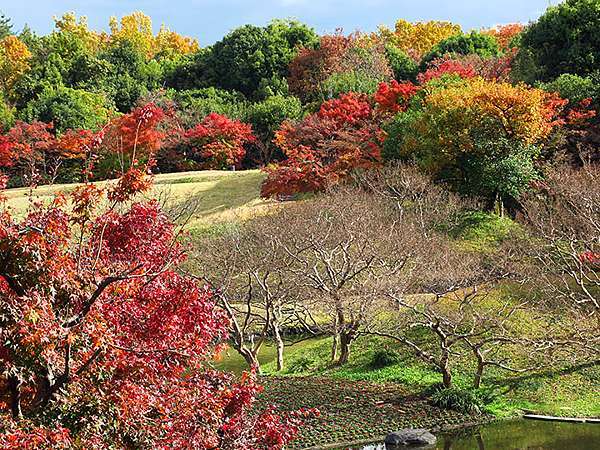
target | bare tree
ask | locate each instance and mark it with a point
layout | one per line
(248, 270)
(561, 252)
(337, 246)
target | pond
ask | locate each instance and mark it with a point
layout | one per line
(518, 435)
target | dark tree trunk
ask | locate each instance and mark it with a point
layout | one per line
(345, 341)
(14, 385)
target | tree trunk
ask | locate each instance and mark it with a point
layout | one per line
(334, 347)
(14, 385)
(250, 357)
(445, 368)
(447, 378)
(345, 341)
(280, 346)
(479, 371)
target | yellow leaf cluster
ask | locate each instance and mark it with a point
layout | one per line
(171, 43)
(78, 27)
(14, 62)
(517, 111)
(418, 38)
(137, 29)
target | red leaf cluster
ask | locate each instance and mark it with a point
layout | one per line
(580, 115)
(98, 322)
(447, 67)
(394, 97)
(325, 147)
(137, 133)
(218, 142)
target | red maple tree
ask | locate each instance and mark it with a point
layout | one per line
(218, 142)
(325, 147)
(103, 343)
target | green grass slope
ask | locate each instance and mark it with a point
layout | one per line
(217, 196)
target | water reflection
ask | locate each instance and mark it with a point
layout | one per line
(518, 435)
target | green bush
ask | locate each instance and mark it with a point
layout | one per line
(384, 357)
(574, 87)
(305, 363)
(352, 81)
(403, 66)
(68, 108)
(467, 401)
(198, 103)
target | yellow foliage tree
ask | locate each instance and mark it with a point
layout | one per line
(170, 43)
(418, 38)
(14, 62)
(79, 27)
(496, 108)
(137, 29)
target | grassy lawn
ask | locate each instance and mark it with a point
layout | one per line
(217, 196)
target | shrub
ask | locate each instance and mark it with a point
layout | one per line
(325, 147)
(574, 87)
(403, 66)
(384, 357)
(68, 108)
(467, 401)
(215, 143)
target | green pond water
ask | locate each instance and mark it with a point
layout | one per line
(518, 435)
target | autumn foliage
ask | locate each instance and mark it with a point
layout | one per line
(98, 327)
(218, 142)
(505, 34)
(519, 112)
(393, 97)
(324, 147)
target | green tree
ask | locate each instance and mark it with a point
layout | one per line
(575, 88)
(563, 40)
(68, 108)
(5, 26)
(248, 60)
(403, 66)
(475, 42)
(131, 74)
(266, 117)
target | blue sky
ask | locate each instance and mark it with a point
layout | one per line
(209, 20)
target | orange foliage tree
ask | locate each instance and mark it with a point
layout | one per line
(505, 34)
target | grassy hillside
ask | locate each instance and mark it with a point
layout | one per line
(217, 196)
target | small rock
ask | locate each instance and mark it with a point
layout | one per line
(410, 437)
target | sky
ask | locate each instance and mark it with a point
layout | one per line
(210, 20)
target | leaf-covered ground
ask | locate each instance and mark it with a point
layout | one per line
(355, 410)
